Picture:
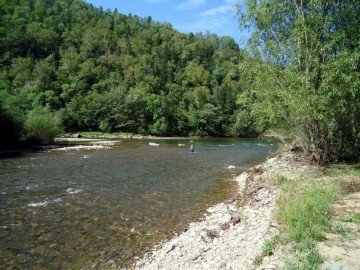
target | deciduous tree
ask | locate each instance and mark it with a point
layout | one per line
(311, 77)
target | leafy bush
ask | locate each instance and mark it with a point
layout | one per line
(42, 126)
(308, 84)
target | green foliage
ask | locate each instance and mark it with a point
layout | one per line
(350, 170)
(11, 120)
(243, 124)
(269, 247)
(355, 218)
(350, 184)
(267, 250)
(10, 128)
(42, 125)
(105, 71)
(280, 179)
(304, 209)
(307, 257)
(307, 76)
(339, 228)
(308, 219)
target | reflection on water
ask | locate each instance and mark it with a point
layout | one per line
(100, 208)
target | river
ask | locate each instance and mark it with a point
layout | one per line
(97, 208)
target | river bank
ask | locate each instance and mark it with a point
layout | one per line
(102, 135)
(232, 234)
(243, 233)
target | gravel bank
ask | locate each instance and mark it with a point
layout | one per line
(233, 233)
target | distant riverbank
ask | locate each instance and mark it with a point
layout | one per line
(119, 135)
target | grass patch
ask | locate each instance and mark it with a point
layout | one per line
(305, 212)
(354, 218)
(307, 257)
(339, 228)
(348, 170)
(350, 177)
(304, 209)
(350, 186)
(280, 179)
(267, 250)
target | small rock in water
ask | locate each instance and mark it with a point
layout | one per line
(231, 167)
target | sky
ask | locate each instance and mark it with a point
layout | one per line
(215, 16)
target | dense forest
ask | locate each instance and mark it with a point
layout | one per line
(66, 65)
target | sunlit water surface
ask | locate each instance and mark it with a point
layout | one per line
(101, 208)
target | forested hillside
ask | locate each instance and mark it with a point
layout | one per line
(66, 65)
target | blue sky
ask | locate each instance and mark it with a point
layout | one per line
(216, 16)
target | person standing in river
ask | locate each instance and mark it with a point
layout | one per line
(192, 148)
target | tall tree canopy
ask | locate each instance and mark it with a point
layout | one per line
(99, 70)
(307, 77)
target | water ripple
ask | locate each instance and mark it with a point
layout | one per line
(75, 209)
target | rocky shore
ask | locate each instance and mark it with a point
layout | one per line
(233, 233)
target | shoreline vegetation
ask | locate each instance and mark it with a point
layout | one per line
(118, 135)
(265, 227)
(59, 142)
(92, 140)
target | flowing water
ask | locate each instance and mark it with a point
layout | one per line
(101, 208)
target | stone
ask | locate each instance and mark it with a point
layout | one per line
(224, 226)
(266, 260)
(235, 219)
(212, 234)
